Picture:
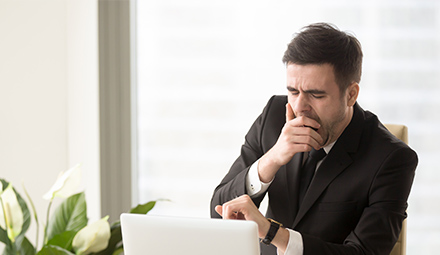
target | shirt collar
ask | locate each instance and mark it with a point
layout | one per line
(329, 147)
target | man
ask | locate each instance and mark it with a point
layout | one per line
(356, 200)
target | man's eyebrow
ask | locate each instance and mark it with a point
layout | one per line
(315, 91)
(309, 91)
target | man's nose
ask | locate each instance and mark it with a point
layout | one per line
(301, 103)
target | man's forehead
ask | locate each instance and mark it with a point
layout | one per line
(312, 76)
(310, 69)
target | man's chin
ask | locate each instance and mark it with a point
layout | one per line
(327, 141)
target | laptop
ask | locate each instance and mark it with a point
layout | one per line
(165, 235)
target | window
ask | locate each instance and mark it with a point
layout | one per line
(207, 69)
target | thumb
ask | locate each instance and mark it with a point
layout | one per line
(289, 113)
(219, 210)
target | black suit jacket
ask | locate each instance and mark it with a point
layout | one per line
(357, 200)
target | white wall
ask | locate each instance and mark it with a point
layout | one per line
(49, 96)
(83, 97)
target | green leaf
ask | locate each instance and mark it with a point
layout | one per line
(118, 251)
(145, 208)
(24, 246)
(53, 250)
(71, 215)
(26, 214)
(10, 249)
(63, 240)
(4, 237)
(4, 184)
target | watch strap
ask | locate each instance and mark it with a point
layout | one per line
(274, 226)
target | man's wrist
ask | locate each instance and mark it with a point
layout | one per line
(283, 241)
(267, 168)
(271, 233)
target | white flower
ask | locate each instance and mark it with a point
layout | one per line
(11, 215)
(66, 184)
(92, 238)
(2, 215)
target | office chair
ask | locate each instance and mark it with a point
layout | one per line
(401, 132)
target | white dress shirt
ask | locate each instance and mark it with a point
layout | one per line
(255, 187)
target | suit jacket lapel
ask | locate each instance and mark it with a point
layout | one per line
(336, 162)
(322, 179)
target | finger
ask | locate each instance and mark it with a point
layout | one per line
(289, 113)
(319, 141)
(311, 123)
(315, 142)
(302, 143)
(316, 139)
(219, 210)
(234, 209)
(303, 121)
(303, 136)
(231, 211)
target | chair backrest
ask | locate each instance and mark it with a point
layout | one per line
(401, 132)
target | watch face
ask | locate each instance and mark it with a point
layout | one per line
(266, 241)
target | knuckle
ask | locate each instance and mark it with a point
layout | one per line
(246, 197)
(305, 147)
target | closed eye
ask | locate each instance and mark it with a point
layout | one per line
(315, 93)
(317, 96)
(293, 91)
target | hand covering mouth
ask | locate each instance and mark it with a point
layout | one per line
(312, 128)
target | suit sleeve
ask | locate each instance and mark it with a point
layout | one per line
(233, 184)
(381, 221)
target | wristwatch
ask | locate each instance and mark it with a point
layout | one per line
(274, 226)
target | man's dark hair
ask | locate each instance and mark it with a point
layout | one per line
(322, 43)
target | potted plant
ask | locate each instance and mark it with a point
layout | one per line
(67, 230)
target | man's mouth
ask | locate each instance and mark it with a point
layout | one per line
(313, 128)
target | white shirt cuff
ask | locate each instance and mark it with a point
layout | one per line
(295, 245)
(254, 187)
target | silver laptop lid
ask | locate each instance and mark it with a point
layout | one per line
(146, 234)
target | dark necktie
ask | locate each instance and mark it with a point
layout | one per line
(308, 170)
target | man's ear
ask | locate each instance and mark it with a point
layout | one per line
(352, 93)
